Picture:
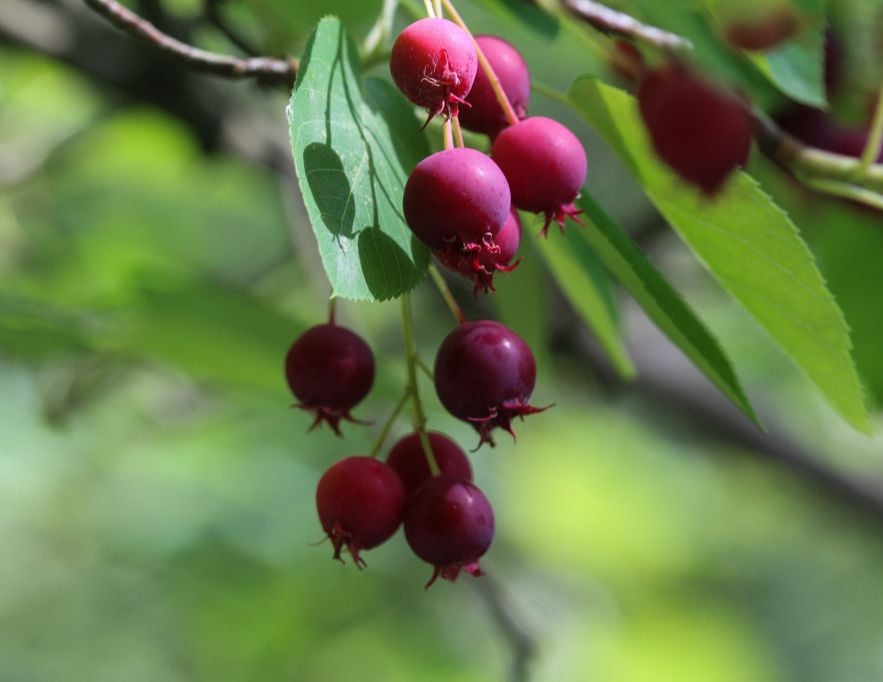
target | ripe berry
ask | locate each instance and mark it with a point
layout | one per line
(702, 133)
(456, 201)
(486, 264)
(485, 374)
(449, 524)
(360, 502)
(486, 115)
(433, 62)
(329, 370)
(545, 165)
(408, 460)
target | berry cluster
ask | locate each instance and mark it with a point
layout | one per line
(460, 202)
(463, 204)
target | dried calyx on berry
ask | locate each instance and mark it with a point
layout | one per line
(360, 501)
(457, 201)
(485, 265)
(485, 374)
(449, 523)
(701, 132)
(545, 165)
(329, 370)
(433, 62)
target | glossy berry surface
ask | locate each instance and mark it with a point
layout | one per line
(433, 62)
(545, 165)
(485, 265)
(408, 460)
(456, 201)
(701, 132)
(329, 369)
(485, 374)
(360, 501)
(449, 524)
(485, 115)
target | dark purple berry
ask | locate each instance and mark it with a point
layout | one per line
(329, 370)
(360, 502)
(449, 524)
(701, 132)
(485, 114)
(456, 201)
(486, 264)
(433, 62)
(545, 165)
(408, 459)
(485, 374)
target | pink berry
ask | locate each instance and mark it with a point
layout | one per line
(701, 132)
(433, 62)
(408, 459)
(329, 370)
(457, 201)
(449, 524)
(545, 165)
(485, 114)
(485, 374)
(360, 501)
(486, 264)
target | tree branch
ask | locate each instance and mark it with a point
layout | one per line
(608, 20)
(520, 642)
(267, 70)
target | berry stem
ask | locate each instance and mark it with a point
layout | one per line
(875, 137)
(448, 136)
(458, 131)
(422, 366)
(436, 5)
(446, 293)
(500, 94)
(430, 11)
(389, 422)
(332, 310)
(419, 417)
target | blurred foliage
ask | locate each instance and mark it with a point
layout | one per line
(156, 489)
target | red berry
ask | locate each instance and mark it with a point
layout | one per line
(433, 62)
(329, 370)
(456, 201)
(486, 264)
(408, 459)
(485, 374)
(545, 165)
(627, 61)
(702, 133)
(486, 115)
(760, 33)
(449, 524)
(360, 502)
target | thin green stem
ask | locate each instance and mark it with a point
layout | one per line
(458, 132)
(875, 137)
(499, 93)
(419, 417)
(448, 136)
(332, 310)
(389, 422)
(421, 365)
(445, 291)
(437, 6)
(551, 93)
(845, 190)
(430, 11)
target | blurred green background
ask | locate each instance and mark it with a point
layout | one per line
(157, 520)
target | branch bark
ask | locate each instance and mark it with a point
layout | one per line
(267, 70)
(608, 20)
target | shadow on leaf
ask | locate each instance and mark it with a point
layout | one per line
(330, 188)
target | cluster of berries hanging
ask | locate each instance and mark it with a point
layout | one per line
(463, 204)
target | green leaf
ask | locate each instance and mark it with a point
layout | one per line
(353, 148)
(660, 301)
(750, 246)
(584, 282)
(797, 66)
